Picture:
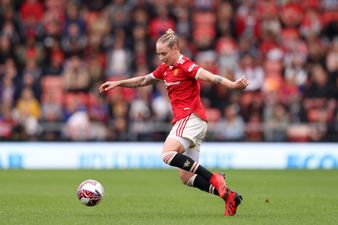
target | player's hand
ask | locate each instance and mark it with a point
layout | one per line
(241, 83)
(108, 85)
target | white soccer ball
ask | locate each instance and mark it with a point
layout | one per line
(90, 192)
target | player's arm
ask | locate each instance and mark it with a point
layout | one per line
(219, 80)
(134, 82)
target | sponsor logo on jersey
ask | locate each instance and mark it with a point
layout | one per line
(167, 84)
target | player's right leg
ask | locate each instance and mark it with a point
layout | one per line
(172, 156)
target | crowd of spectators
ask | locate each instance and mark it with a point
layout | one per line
(55, 53)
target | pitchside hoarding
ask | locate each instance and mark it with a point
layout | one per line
(148, 155)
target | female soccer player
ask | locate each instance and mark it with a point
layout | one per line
(181, 148)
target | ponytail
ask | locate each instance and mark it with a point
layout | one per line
(170, 38)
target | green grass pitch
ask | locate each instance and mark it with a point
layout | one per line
(40, 197)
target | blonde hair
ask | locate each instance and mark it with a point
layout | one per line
(170, 38)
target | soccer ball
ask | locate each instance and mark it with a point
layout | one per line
(90, 192)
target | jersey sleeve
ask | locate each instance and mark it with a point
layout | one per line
(158, 72)
(191, 69)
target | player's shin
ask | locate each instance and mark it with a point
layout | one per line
(186, 163)
(202, 184)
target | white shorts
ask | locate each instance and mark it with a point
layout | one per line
(190, 132)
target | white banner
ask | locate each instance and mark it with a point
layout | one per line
(148, 155)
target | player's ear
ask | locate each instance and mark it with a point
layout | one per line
(175, 48)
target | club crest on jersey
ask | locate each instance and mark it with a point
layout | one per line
(175, 72)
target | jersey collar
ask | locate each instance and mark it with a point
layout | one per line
(180, 57)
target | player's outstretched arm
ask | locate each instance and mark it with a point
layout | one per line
(217, 79)
(130, 83)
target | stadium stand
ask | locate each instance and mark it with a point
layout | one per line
(55, 54)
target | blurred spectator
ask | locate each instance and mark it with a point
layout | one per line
(118, 123)
(118, 57)
(225, 23)
(76, 76)
(160, 105)
(295, 73)
(73, 16)
(73, 41)
(55, 66)
(247, 24)
(9, 89)
(28, 112)
(30, 49)
(98, 28)
(51, 111)
(277, 122)
(6, 50)
(95, 65)
(78, 126)
(311, 25)
(316, 51)
(254, 129)
(139, 47)
(140, 107)
(160, 23)
(118, 14)
(95, 5)
(31, 13)
(232, 127)
(28, 105)
(7, 122)
(98, 108)
(183, 22)
(267, 13)
(203, 30)
(119, 130)
(249, 68)
(320, 85)
(53, 19)
(10, 26)
(228, 53)
(332, 59)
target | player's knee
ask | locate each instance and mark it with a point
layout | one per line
(168, 156)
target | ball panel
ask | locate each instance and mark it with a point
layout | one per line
(90, 192)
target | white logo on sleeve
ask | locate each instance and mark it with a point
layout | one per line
(191, 67)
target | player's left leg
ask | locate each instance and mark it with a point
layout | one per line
(197, 181)
(232, 200)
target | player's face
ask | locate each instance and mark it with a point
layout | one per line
(166, 54)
